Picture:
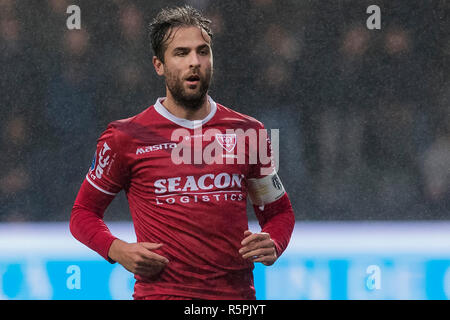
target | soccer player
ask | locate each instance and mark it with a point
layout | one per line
(189, 217)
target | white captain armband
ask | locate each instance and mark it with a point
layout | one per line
(265, 190)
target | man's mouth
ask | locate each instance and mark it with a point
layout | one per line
(193, 79)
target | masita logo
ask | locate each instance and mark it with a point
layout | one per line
(162, 146)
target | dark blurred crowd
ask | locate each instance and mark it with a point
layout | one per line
(364, 115)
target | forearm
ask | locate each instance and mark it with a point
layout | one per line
(90, 230)
(86, 220)
(277, 219)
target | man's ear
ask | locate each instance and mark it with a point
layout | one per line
(159, 66)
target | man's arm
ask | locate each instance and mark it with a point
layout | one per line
(86, 219)
(88, 227)
(277, 223)
(272, 207)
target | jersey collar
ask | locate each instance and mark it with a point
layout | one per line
(190, 124)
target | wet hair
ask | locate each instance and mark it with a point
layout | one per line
(160, 29)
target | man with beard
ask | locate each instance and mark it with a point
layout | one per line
(190, 219)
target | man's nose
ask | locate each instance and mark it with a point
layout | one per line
(194, 60)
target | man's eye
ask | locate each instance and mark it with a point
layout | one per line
(180, 53)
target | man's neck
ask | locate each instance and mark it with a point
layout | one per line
(180, 111)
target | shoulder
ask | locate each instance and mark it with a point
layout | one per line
(238, 118)
(129, 127)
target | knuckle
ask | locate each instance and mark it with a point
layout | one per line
(259, 252)
(268, 243)
(139, 262)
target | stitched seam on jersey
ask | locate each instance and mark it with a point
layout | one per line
(98, 188)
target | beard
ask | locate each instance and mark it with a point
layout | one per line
(191, 98)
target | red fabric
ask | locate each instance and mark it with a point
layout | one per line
(198, 211)
(165, 297)
(86, 220)
(277, 219)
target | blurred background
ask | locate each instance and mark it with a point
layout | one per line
(364, 115)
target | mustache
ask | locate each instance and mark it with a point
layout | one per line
(194, 76)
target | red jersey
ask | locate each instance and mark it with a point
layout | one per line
(187, 189)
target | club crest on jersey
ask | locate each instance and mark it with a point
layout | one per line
(227, 141)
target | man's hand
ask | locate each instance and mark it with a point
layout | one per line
(138, 257)
(258, 247)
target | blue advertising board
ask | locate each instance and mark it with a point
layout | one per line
(332, 260)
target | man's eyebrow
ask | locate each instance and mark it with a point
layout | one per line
(181, 49)
(202, 46)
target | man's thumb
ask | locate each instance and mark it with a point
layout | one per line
(151, 245)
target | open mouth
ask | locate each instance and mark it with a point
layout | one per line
(193, 79)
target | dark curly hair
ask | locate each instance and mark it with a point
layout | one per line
(167, 19)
